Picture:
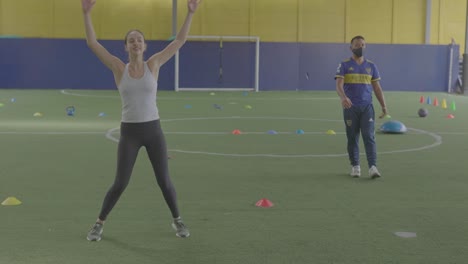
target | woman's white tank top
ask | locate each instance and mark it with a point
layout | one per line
(138, 97)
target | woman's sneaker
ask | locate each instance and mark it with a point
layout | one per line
(180, 228)
(95, 233)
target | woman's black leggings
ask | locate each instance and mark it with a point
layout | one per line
(132, 137)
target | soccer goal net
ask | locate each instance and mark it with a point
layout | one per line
(218, 63)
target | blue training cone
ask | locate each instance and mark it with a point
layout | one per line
(428, 100)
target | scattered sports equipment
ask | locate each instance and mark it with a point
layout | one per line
(393, 127)
(423, 112)
(264, 203)
(70, 110)
(300, 132)
(444, 104)
(453, 106)
(11, 201)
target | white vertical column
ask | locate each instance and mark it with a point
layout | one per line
(428, 22)
(174, 33)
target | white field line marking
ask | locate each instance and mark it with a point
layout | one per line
(437, 142)
(65, 92)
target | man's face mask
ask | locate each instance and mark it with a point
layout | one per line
(358, 52)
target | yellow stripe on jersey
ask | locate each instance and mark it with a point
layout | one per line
(357, 78)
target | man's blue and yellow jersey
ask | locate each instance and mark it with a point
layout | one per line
(358, 80)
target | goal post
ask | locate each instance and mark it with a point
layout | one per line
(220, 39)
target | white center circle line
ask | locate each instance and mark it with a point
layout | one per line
(437, 140)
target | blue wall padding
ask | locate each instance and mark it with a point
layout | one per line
(69, 64)
(319, 61)
(207, 65)
(279, 67)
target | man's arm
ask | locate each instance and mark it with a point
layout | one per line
(380, 97)
(345, 101)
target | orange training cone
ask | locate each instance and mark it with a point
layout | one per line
(264, 203)
(421, 99)
(236, 132)
(436, 102)
(450, 116)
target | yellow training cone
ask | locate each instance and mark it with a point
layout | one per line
(37, 114)
(331, 132)
(444, 104)
(11, 201)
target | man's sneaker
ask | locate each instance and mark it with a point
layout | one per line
(96, 232)
(374, 172)
(355, 171)
(180, 228)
